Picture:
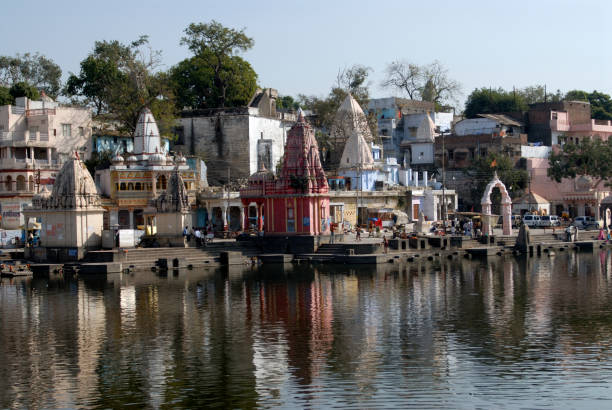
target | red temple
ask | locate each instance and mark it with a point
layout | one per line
(297, 202)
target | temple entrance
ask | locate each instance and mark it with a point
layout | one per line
(506, 207)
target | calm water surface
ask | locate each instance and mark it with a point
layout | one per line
(458, 334)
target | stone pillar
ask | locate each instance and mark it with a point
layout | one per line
(416, 178)
(32, 155)
(154, 186)
(49, 155)
(507, 216)
(209, 214)
(425, 178)
(259, 217)
(244, 221)
(224, 217)
(131, 218)
(486, 211)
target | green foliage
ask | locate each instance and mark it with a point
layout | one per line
(193, 81)
(588, 158)
(601, 104)
(216, 46)
(34, 69)
(488, 101)
(99, 160)
(119, 80)
(299, 183)
(482, 170)
(5, 96)
(287, 103)
(23, 89)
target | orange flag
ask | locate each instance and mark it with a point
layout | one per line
(494, 163)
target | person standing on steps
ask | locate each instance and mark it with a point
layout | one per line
(386, 244)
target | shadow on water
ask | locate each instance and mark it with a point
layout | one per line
(419, 334)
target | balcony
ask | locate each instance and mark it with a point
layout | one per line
(40, 111)
(24, 138)
(14, 163)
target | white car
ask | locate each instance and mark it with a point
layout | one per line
(531, 221)
(550, 220)
(586, 222)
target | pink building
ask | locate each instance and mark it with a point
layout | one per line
(576, 197)
(297, 202)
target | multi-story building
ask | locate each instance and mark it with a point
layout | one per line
(235, 141)
(565, 121)
(35, 138)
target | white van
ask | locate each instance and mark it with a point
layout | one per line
(549, 220)
(531, 220)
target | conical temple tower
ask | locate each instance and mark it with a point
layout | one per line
(71, 216)
(297, 202)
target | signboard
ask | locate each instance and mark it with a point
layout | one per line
(11, 215)
(129, 238)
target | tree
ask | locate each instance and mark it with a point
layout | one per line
(5, 96)
(119, 80)
(215, 44)
(427, 83)
(193, 81)
(585, 158)
(481, 171)
(490, 101)
(23, 89)
(34, 69)
(287, 103)
(538, 94)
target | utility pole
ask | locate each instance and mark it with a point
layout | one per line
(227, 208)
(443, 182)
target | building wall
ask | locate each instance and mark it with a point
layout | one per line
(267, 129)
(422, 154)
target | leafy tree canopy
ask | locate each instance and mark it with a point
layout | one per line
(23, 89)
(119, 80)
(587, 157)
(216, 47)
(193, 82)
(34, 69)
(491, 101)
(287, 103)
(5, 96)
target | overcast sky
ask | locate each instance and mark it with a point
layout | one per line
(299, 46)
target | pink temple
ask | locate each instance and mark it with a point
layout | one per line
(297, 202)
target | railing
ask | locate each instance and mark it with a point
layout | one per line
(17, 110)
(44, 137)
(40, 111)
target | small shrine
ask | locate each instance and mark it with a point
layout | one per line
(70, 215)
(296, 203)
(169, 213)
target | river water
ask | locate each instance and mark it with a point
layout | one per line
(511, 333)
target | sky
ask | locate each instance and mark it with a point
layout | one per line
(300, 46)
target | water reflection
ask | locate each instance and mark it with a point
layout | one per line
(449, 333)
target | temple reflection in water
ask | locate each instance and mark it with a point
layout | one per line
(425, 333)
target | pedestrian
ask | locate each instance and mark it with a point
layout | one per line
(601, 235)
(386, 244)
(186, 232)
(358, 234)
(332, 227)
(198, 237)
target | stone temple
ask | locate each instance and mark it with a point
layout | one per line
(71, 216)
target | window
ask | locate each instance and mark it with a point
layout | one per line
(21, 183)
(66, 130)
(81, 132)
(290, 220)
(122, 186)
(451, 154)
(9, 183)
(138, 186)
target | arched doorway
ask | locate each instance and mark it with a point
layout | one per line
(21, 183)
(506, 205)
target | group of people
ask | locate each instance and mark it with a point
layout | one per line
(201, 236)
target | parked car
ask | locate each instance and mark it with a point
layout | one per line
(531, 221)
(586, 222)
(549, 220)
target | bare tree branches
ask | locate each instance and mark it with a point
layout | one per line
(427, 83)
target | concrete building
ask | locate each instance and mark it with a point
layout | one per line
(236, 139)
(565, 121)
(35, 138)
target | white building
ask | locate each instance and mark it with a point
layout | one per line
(35, 138)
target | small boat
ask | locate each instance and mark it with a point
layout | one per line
(11, 270)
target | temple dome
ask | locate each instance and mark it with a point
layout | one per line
(357, 153)
(262, 175)
(350, 118)
(132, 159)
(181, 160)
(157, 159)
(146, 135)
(117, 160)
